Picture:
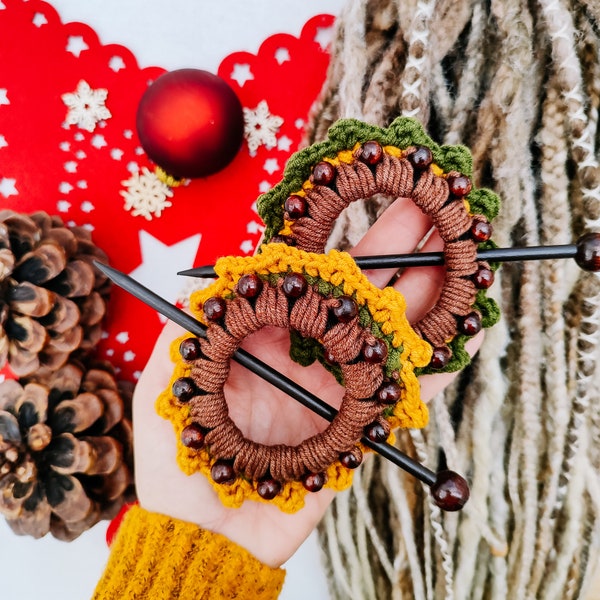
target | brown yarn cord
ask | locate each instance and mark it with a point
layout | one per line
(309, 316)
(394, 177)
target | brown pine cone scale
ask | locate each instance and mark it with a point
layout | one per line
(52, 297)
(65, 451)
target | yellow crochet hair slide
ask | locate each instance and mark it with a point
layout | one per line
(362, 334)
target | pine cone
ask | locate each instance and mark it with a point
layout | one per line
(52, 298)
(65, 451)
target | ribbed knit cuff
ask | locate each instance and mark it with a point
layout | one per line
(159, 558)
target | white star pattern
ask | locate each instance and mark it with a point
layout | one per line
(264, 187)
(282, 55)
(76, 45)
(3, 142)
(241, 74)
(70, 166)
(271, 166)
(116, 63)
(65, 146)
(98, 141)
(146, 195)
(2, 7)
(253, 227)
(247, 246)
(87, 206)
(63, 206)
(39, 19)
(284, 143)
(160, 264)
(128, 356)
(3, 96)
(261, 127)
(8, 188)
(122, 337)
(64, 187)
(116, 154)
(86, 106)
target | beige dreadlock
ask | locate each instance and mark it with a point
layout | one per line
(519, 83)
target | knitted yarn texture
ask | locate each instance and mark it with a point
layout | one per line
(518, 83)
(376, 320)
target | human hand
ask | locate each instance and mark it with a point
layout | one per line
(268, 416)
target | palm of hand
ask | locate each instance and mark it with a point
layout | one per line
(267, 415)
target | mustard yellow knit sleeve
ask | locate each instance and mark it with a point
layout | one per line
(157, 558)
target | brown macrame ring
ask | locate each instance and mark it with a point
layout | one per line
(308, 315)
(397, 178)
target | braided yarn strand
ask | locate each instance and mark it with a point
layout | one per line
(518, 83)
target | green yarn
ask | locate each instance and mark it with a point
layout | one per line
(344, 135)
(484, 202)
(402, 133)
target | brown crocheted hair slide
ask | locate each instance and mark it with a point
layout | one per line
(333, 313)
(358, 161)
(363, 335)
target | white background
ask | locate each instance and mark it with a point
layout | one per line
(171, 34)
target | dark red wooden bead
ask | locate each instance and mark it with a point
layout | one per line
(346, 310)
(450, 491)
(588, 252)
(190, 349)
(371, 153)
(376, 352)
(294, 285)
(313, 482)
(351, 459)
(388, 393)
(470, 325)
(421, 158)
(214, 308)
(184, 389)
(376, 432)
(481, 230)
(440, 357)
(249, 286)
(222, 472)
(283, 239)
(483, 278)
(192, 436)
(268, 488)
(295, 206)
(329, 358)
(459, 184)
(323, 173)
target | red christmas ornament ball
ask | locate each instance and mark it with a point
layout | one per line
(190, 123)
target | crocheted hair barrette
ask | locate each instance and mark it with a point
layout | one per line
(334, 314)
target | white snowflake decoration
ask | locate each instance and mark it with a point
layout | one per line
(261, 127)
(86, 106)
(146, 195)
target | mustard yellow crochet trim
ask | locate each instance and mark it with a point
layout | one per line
(387, 309)
(291, 497)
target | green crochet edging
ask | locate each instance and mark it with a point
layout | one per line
(305, 351)
(402, 133)
(343, 135)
